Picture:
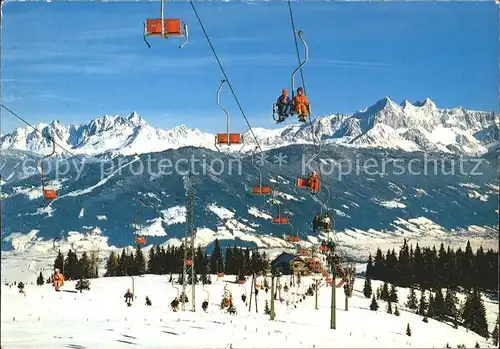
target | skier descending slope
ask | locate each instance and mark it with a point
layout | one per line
(128, 297)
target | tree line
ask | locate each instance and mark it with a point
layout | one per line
(429, 268)
(170, 260)
(74, 268)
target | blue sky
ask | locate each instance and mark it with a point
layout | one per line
(75, 61)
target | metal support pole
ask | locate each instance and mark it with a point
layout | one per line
(251, 292)
(316, 295)
(333, 324)
(273, 315)
(346, 302)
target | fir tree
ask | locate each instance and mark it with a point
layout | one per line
(374, 304)
(422, 306)
(384, 294)
(439, 305)
(367, 289)
(412, 300)
(474, 314)
(40, 280)
(393, 295)
(71, 266)
(389, 307)
(450, 304)
(20, 286)
(477, 345)
(396, 311)
(369, 267)
(59, 261)
(431, 309)
(139, 261)
(152, 268)
(112, 267)
(82, 284)
(495, 335)
(83, 267)
(408, 330)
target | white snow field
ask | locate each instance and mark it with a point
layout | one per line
(99, 318)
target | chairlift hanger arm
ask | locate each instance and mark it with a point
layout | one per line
(299, 34)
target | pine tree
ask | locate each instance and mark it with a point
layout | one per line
(112, 265)
(495, 335)
(396, 311)
(412, 300)
(139, 261)
(367, 289)
(439, 305)
(369, 267)
(450, 303)
(477, 345)
(71, 266)
(83, 266)
(408, 330)
(384, 294)
(431, 309)
(152, 266)
(374, 304)
(474, 314)
(393, 295)
(82, 284)
(422, 306)
(40, 280)
(389, 307)
(59, 261)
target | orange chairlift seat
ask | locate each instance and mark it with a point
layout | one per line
(48, 194)
(280, 219)
(189, 262)
(260, 189)
(292, 238)
(312, 182)
(165, 28)
(141, 240)
(220, 275)
(226, 138)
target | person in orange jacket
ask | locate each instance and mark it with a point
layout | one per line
(58, 280)
(313, 182)
(301, 104)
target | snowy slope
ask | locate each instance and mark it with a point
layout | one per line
(40, 319)
(420, 126)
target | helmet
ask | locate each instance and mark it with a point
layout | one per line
(284, 91)
(300, 89)
(57, 270)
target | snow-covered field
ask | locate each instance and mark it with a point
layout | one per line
(99, 318)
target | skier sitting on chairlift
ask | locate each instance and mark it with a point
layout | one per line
(128, 297)
(175, 304)
(283, 104)
(326, 222)
(316, 223)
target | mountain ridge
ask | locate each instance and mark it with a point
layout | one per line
(419, 126)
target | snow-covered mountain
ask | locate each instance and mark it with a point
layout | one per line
(115, 135)
(419, 126)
